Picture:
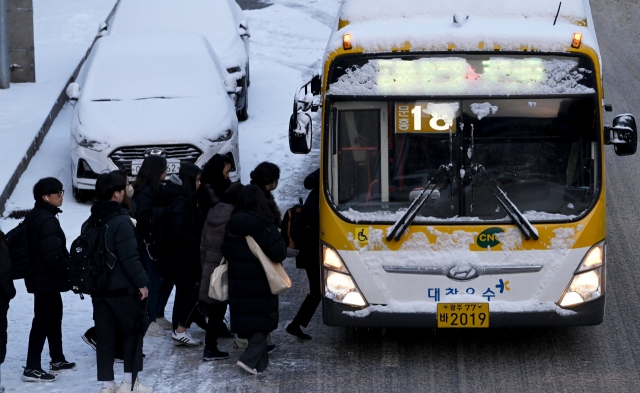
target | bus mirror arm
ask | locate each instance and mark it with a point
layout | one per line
(623, 135)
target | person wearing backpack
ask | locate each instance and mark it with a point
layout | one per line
(147, 188)
(7, 292)
(48, 256)
(120, 304)
(307, 230)
(210, 257)
(254, 309)
(184, 228)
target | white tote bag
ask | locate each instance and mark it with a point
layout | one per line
(278, 279)
(219, 284)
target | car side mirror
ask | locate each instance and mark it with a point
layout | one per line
(623, 135)
(73, 91)
(300, 132)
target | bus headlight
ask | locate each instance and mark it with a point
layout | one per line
(339, 286)
(587, 282)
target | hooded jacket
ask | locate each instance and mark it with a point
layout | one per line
(127, 273)
(210, 246)
(48, 246)
(184, 228)
(253, 306)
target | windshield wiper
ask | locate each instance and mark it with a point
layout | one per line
(105, 99)
(407, 218)
(528, 230)
(154, 98)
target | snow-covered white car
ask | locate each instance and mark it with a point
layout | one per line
(140, 94)
(222, 22)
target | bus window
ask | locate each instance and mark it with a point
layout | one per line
(358, 151)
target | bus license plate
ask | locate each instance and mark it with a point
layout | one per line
(463, 315)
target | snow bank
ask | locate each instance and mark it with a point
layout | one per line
(455, 76)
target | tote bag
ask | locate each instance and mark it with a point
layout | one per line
(278, 279)
(219, 283)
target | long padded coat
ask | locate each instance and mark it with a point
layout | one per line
(210, 246)
(253, 307)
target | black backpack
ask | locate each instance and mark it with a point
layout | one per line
(87, 265)
(157, 231)
(18, 244)
(291, 226)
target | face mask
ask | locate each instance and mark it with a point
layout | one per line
(129, 191)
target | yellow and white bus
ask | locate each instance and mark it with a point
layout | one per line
(462, 164)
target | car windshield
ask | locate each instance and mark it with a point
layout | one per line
(542, 152)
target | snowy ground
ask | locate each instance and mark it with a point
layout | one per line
(287, 43)
(64, 29)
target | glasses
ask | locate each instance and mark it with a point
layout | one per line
(60, 193)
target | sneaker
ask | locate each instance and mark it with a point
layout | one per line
(155, 330)
(247, 368)
(107, 389)
(185, 338)
(271, 348)
(37, 375)
(57, 368)
(164, 323)
(138, 387)
(119, 360)
(90, 341)
(296, 331)
(214, 355)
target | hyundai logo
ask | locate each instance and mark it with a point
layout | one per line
(155, 151)
(462, 273)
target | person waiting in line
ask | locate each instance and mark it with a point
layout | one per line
(210, 257)
(254, 309)
(215, 181)
(118, 307)
(7, 292)
(266, 176)
(309, 256)
(48, 256)
(146, 195)
(184, 224)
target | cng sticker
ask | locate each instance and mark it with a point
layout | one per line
(362, 234)
(489, 237)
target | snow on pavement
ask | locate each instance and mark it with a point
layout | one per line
(287, 46)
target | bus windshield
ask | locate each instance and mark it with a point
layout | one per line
(542, 152)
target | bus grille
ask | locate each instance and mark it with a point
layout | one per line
(123, 156)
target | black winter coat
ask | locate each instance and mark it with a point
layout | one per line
(253, 307)
(145, 200)
(184, 228)
(309, 255)
(210, 246)
(127, 273)
(48, 251)
(7, 290)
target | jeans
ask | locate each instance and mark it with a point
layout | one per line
(46, 325)
(166, 286)
(109, 314)
(185, 302)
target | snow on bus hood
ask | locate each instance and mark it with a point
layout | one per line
(148, 121)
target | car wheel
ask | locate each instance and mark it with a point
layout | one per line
(243, 113)
(82, 196)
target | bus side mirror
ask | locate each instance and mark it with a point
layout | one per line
(300, 126)
(623, 135)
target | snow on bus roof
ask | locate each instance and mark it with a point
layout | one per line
(385, 25)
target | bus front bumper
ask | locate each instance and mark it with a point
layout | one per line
(335, 314)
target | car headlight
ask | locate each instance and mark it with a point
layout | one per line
(339, 286)
(587, 282)
(225, 136)
(87, 143)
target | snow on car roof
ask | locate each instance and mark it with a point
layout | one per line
(216, 20)
(151, 65)
(383, 25)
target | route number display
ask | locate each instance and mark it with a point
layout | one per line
(463, 315)
(425, 117)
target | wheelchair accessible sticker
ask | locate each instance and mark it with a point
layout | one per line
(362, 235)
